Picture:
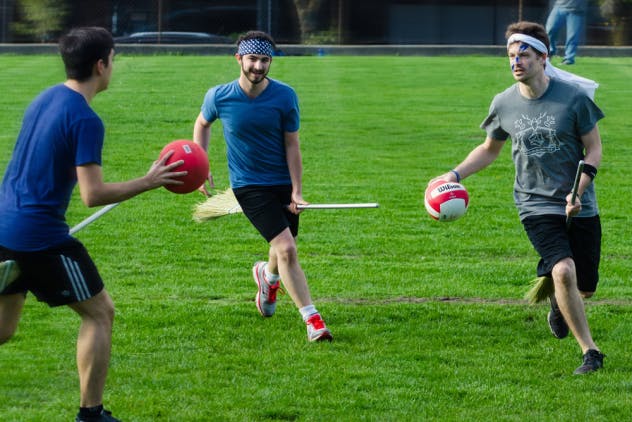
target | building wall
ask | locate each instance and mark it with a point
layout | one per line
(362, 22)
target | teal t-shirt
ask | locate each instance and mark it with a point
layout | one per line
(254, 131)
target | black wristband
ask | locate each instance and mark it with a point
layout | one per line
(458, 176)
(591, 171)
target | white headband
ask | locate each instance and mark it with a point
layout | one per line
(535, 43)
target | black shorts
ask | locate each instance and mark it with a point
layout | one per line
(58, 276)
(553, 242)
(266, 208)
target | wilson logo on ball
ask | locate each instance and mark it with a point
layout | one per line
(446, 201)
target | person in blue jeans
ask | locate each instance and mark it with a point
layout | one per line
(572, 14)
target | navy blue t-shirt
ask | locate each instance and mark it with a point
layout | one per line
(59, 132)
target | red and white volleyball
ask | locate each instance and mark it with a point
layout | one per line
(195, 163)
(446, 201)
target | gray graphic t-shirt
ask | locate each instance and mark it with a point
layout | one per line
(546, 144)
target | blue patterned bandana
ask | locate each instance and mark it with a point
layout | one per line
(255, 46)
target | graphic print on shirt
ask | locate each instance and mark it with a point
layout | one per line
(537, 135)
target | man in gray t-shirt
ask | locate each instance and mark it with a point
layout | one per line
(545, 132)
(552, 125)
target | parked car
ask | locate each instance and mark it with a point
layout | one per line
(172, 37)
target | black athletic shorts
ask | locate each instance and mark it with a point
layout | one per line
(266, 208)
(553, 242)
(60, 275)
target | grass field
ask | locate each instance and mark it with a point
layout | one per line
(429, 318)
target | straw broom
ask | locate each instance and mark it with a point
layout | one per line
(217, 205)
(225, 203)
(541, 289)
(9, 269)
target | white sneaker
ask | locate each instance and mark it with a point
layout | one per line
(316, 329)
(266, 293)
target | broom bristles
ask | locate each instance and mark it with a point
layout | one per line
(541, 289)
(218, 205)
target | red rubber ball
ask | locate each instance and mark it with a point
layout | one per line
(195, 163)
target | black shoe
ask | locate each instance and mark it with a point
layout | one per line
(593, 360)
(558, 326)
(105, 416)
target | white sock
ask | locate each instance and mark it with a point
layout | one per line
(271, 278)
(307, 311)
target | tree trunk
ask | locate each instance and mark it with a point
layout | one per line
(307, 11)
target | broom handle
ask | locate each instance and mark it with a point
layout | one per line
(93, 217)
(9, 274)
(336, 206)
(578, 176)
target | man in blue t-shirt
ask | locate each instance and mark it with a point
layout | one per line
(552, 125)
(260, 117)
(59, 145)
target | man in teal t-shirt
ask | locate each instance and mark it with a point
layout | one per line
(260, 117)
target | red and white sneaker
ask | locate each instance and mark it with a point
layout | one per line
(316, 329)
(266, 293)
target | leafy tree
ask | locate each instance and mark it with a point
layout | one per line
(308, 12)
(619, 15)
(41, 19)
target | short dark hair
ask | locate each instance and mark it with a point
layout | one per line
(256, 35)
(532, 29)
(82, 47)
